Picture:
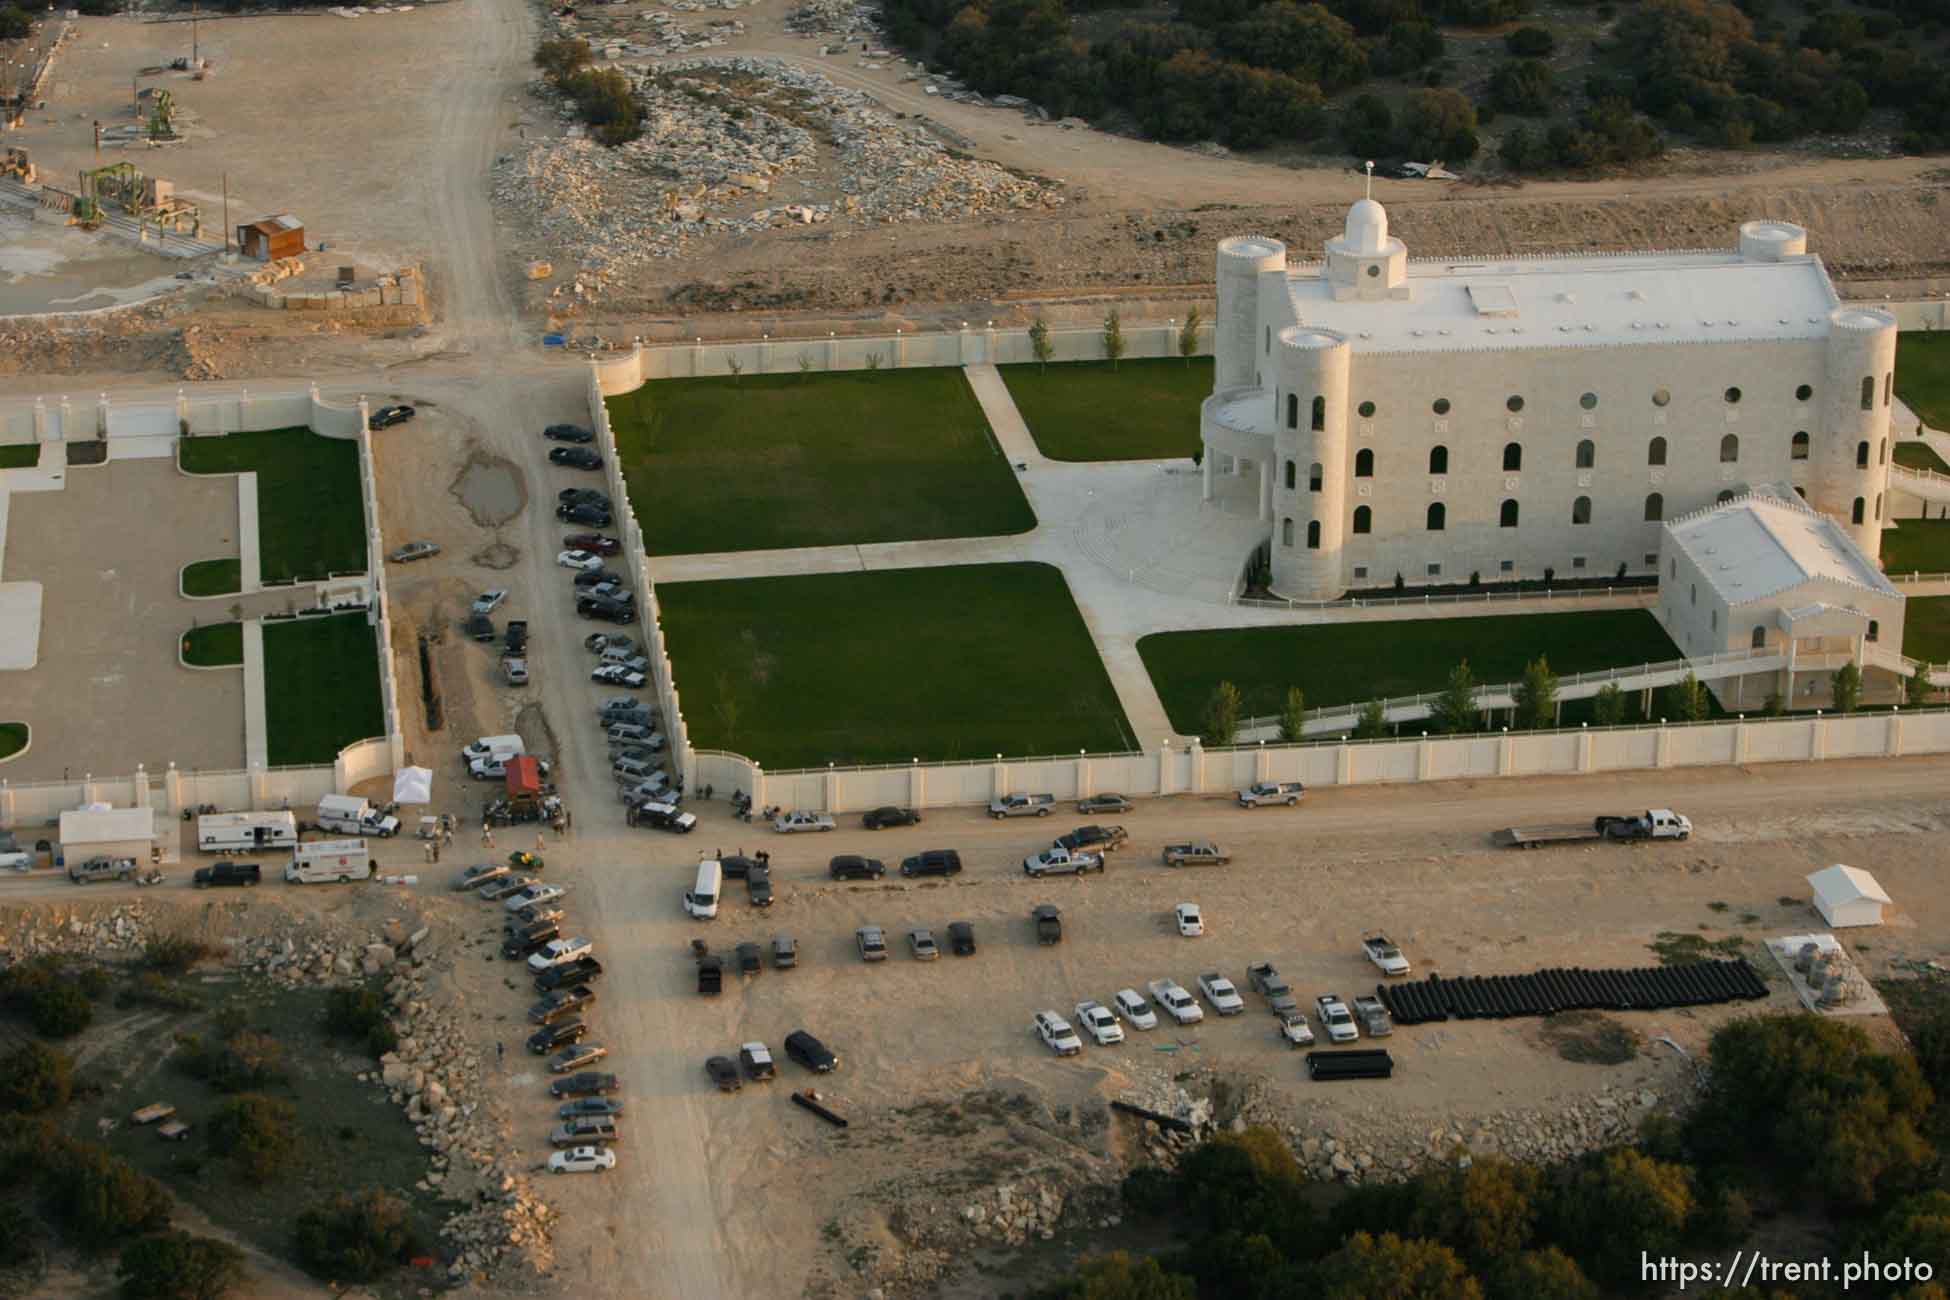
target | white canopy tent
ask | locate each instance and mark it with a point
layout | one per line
(1848, 896)
(413, 785)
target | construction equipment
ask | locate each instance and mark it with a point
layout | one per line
(162, 113)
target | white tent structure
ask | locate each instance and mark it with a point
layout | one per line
(413, 785)
(1848, 896)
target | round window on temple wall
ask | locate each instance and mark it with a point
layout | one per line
(1660, 397)
(1367, 410)
(1373, 271)
(1589, 401)
(1803, 393)
(1441, 406)
(1514, 405)
(1732, 395)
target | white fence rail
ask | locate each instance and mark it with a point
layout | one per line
(1639, 594)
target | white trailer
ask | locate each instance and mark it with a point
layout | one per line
(320, 861)
(247, 832)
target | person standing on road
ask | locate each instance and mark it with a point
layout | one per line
(435, 846)
(539, 844)
(487, 838)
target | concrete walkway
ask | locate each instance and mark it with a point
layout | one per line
(1010, 429)
(250, 566)
(257, 735)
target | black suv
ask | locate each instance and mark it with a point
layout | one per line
(881, 818)
(529, 940)
(560, 1003)
(737, 866)
(758, 882)
(227, 873)
(851, 866)
(607, 607)
(584, 512)
(568, 974)
(582, 497)
(961, 939)
(587, 1084)
(810, 1052)
(935, 862)
(561, 1034)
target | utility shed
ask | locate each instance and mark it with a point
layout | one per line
(108, 833)
(1847, 896)
(269, 238)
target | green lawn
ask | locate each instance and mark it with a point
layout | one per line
(1348, 663)
(1926, 628)
(212, 578)
(948, 663)
(1923, 376)
(13, 738)
(214, 645)
(20, 455)
(310, 520)
(1084, 410)
(1914, 453)
(321, 687)
(1917, 546)
(813, 460)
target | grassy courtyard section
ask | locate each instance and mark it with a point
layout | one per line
(1926, 628)
(776, 461)
(1923, 376)
(1084, 410)
(213, 578)
(310, 521)
(1350, 663)
(1917, 454)
(20, 455)
(1917, 546)
(13, 738)
(949, 663)
(321, 687)
(217, 645)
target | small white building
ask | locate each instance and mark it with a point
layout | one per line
(1768, 576)
(1848, 896)
(108, 833)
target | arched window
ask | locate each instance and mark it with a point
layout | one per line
(1507, 516)
(1363, 519)
(1364, 463)
(1655, 452)
(1888, 385)
(1862, 454)
(1878, 505)
(1798, 447)
(1269, 340)
(1875, 630)
(1512, 457)
(1313, 535)
(1868, 392)
(1293, 410)
(1724, 497)
(1655, 507)
(1286, 532)
(1292, 475)
(1729, 449)
(1760, 638)
(1802, 493)
(1313, 477)
(1858, 510)
(1882, 453)
(1438, 460)
(1587, 454)
(1581, 510)
(1320, 414)
(1438, 516)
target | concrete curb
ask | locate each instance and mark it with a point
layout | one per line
(222, 595)
(202, 668)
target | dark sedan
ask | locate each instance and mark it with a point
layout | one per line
(851, 866)
(584, 512)
(881, 818)
(759, 884)
(388, 416)
(569, 433)
(575, 457)
(587, 1084)
(594, 543)
(560, 1034)
(615, 611)
(596, 577)
(583, 496)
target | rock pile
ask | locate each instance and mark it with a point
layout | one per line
(833, 18)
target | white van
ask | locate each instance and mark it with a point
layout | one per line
(246, 832)
(501, 747)
(354, 816)
(701, 900)
(330, 860)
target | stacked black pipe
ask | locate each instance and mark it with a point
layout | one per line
(1359, 1063)
(1644, 988)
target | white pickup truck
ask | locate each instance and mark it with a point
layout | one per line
(1022, 805)
(1176, 1002)
(1061, 862)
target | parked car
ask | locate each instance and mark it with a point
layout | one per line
(810, 1052)
(587, 1084)
(785, 952)
(1262, 793)
(585, 1130)
(1335, 1018)
(758, 886)
(665, 817)
(1195, 853)
(961, 938)
(536, 892)
(1096, 1020)
(574, 1058)
(584, 512)
(602, 607)
(529, 940)
(582, 561)
(597, 642)
(589, 1108)
(921, 943)
(1093, 839)
(872, 942)
(575, 457)
(388, 416)
(1295, 1029)
(1061, 862)
(1048, 920)
(723, 1072)
(618, 675)
(589, 579)
(934, 862)
(750, 958)
(1175, 1002)
(1056, 1033)
(569, 433)
(756, 1058)
(1103, 803)
(506, 887)
(517, 639)
(559, 951)
(478, 627)
(488, 601)
(1134, 1010)
(414, 551)
(1385, 954)
(580, 971)
(881, 818)
(227, 874)
(1022, 805)
(1221, 993)
(532, 913)
(480, 874)
(560, 1034)
(560, 1003)
(1191, 922)
(583, 497)
(851, 866)
(1267, 981)
(793, 822)
(582, 1160)
(599, 543)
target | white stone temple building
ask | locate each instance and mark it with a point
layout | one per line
(1502, 416)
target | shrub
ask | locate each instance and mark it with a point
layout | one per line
(562, 58)
(245, 1062)
(1530, 43)
(177, 1266)
(1523, 86)
(14, 23)
(61, 1011)
(606, 103)
(35, 1077)
(355, 1236)
(150, 989)
(1485, 1212)
(1618, 1204)
(173, 954)
(259, 1134)
(97, 1199)
(1368, 1266)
